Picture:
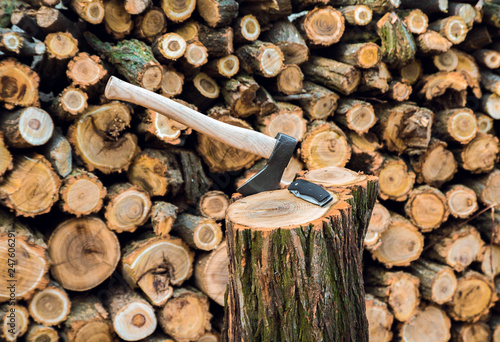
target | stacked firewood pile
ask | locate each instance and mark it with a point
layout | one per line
(119, 231)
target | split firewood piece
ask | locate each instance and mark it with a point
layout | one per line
(261, 58)
(169, 47)
(163, 216)
(26, 127)
(324, 145)
(486, 187)
(398, 289)
(488, 58)
(468, 332)
(447, 61)
(400, 244)
(155, 264)
(396, 179)
(117, 20)
(456, 125)
(57, 151)
(470, 70)
(474, 297)
(479, 155)
(185, 317)
(32, 187)
(227, 67)
(201, 92)
(379, 319)
(172, 82)
(133, 317)
(110, 151)
(376, 79)
(157, 172)
(31, 260)
(436, 322)
(142, 70)
(332, 74)
(14, 320)
(365, 154)
(322, 26)
(219, 42)
(490, 261)
(82, 193)
(358, 15)
(87, 72)
(84, 252)
(379, 222)
(322, 102)
(216, 154)
(127, 207)
(198, 232)
(137, 6)
(69, 104)
(361, 55)
(246, 29)
(155, 125)
(50, 306)
(52, 20)
(19, 86)
(213, 205)
(149, 25)
(178, 11)
(288, 120)
(426, 207)
(41, 333)
(88, 321)
(491, 102)
(490, 14)
(462, 201)
(436, 165)
(457, 248)
(211, 273)
(436, 86)
(437, 282)
(92, 11)
(378, 6)
(286, 36)
(416, 20)
(452, 28)
(398, 46)
(289, 80)
(247, 222)
(217, 13)
(15, 43)
(491, 82)
(357, 115)
(484, 123)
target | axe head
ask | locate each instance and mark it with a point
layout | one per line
(270, 176)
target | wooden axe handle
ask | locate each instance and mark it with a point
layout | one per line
(238, 137)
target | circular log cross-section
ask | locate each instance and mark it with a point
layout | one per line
(453, 28)
(198, 232)
(262, 58)
(462, 201)
(84, 252)
(379, 222)
(211, 273)
(171, 46)
(456, 125)
(172, 82)
(92, 11)
(71, 102)
(247, 29)
(178, 10)
(213, 204)
(50, 306)
(395, 180)
(480, 154)
(447, 61)
(429, 324)
(41, 333)
(437, 165)
(426, 207)
(309, 246)
(323, 102)
(323, 26)
(289, 80)
(437, 282)
(128, 207)
(85, 70)
(27, 127)
(379, 319)
(14, 325)
(18, 84)
(357, 115)
(82, 193)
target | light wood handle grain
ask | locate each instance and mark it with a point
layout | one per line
(237, 137)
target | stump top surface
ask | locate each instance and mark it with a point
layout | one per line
(276, 209)
(334, 176)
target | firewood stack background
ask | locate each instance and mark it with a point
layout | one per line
(114, 215)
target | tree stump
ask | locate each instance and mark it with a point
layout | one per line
(285, 252)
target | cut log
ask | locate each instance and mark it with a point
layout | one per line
(201, 92)
(379, 222)
(83, 252)
(490, 261)
(447, 61)
(163, 216)
(378, 6)
(178, 11)
(211, 273)
(426, 207)
(396, 180)
(357, 115)
(82, 193)
(31, 263)
(456, 247)
(491, 103)
(361, 55)
(217, 13)
(258, 240)
(365, 154)
(185, 317)
(87, 72)
(468, 67)
(436, 165)
(322, 102)
(172, 82)
(155, 264)
(379, 320)
(452, 28)
(159, 127)
(169, 47)
(117, 20)
(465, 332)
(150, 24)
(398, 46)
(488, 58)
(264, 59)
(428, 324)
(461, 200)
(19, 86)
(479, 155)
(437, 282)
(359, 15)
(227, 66)
(50, 306)
(198, 232)
(133, 317)
(14, 43)
(484, 123)
(456, 125)
(289, 80)
(376, 79)
(491, 82)
(240, 93)
(192, 169)
(398, 289)
(286, 36)
(52, 20)
(287, 120)
(69, 104)
(26, 127)
(14, 320)
(474, 297)
(213, 204)
(25, 19)
(92, 11)
(38, 333)
(399, 90)
(324, 145)
(32, 187)
(246, 29)
(465, 11)
(57, 151)
(332, 74)
(88, 321)
(142, 70)
(5, 158)
(447, 88)
(61, 47)
(101, 125)
(196, 55)
(400, 244)
(416, 20)
(219, 42)
(322, 26)
(137, 6)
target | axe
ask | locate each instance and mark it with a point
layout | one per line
(277, 150)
